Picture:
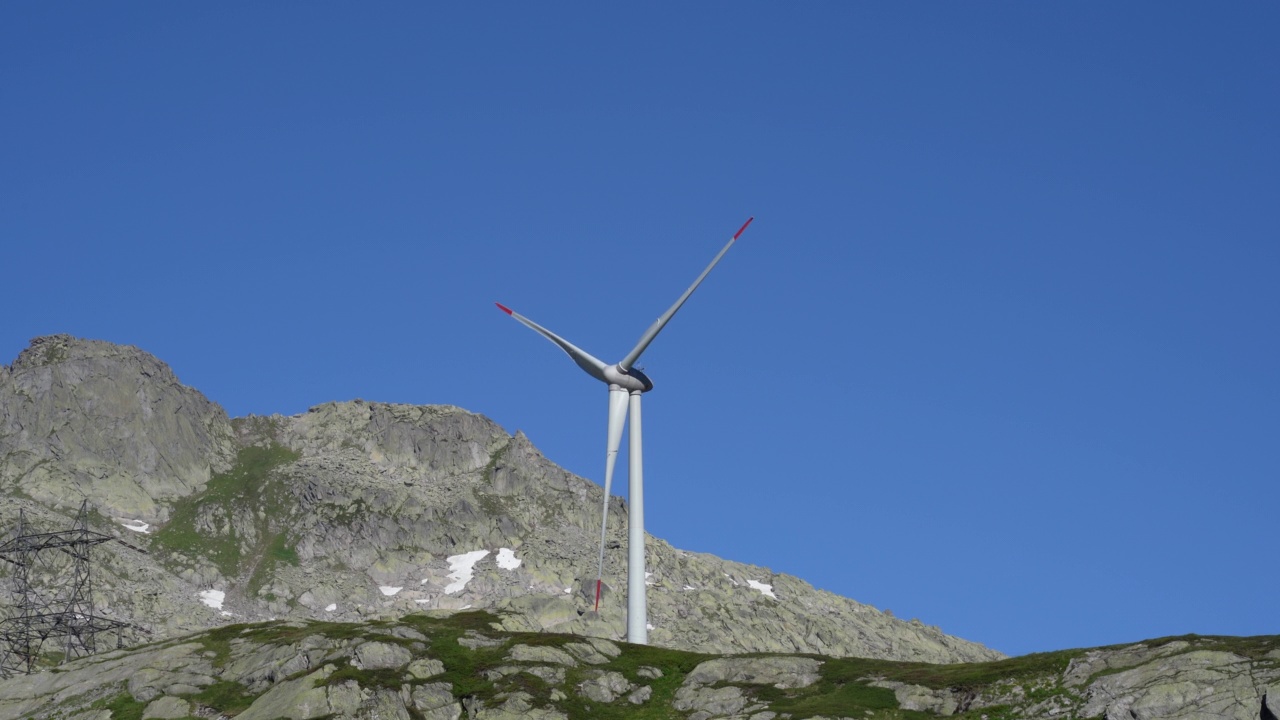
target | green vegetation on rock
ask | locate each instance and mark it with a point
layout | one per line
(447, 665)
(205, 524)
(122, 706)
(226, 696)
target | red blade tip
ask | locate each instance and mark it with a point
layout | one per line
(597, 595)
(503, 308)
(744, 227)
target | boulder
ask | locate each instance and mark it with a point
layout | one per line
(605, 687)
(1194, 684)
(780, 672)
(380, 655)
(167, 708)
(435, 701)
(541, 654)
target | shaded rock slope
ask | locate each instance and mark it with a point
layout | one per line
(449, 665)
(361, 511)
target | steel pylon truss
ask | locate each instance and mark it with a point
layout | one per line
(52, 596)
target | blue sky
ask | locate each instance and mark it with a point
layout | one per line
(999, 351)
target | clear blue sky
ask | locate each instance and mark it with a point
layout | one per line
(1000, 351)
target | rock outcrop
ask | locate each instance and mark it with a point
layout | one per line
(447, 666)
(84, 418)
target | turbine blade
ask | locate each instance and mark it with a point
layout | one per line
(594, 367)
(662, 320)
(617, 418)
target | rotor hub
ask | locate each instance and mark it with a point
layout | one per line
(632, 380)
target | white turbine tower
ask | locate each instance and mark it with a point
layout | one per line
(624, 380)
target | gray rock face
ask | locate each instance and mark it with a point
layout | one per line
(167, 708)
(709, 702)
(300, 699)
(381, 656)
(541, 654)
(515, 706)
(360, 510)
(372, 515)
(780, 672)
(1178, 680)
(920, 698)
(712, 688)
(605, 687)
(1271, 703)
(640, 695)
(111, 423)
(424, 668)
(1096, 661)
(1199, 683)
(383, 704)
(436, 702)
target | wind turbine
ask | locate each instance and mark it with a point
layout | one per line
(626, 384)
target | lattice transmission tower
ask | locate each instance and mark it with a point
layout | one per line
(51, 588)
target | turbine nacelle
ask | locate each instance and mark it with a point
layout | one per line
(631, 380)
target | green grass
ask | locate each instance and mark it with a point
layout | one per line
(53, 354)
(245, 487)
(971, 675)
(674, 664)
(463, 666)
(829, 696)
(226, 696)
(493, 505)
(275, 633)
(386, 678)
(279, 551)
(122, 707)
(1254, 648)
(491, 467)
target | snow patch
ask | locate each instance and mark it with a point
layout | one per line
(763, 588)
(462, 569)
(213, 598)
(388, 590)
(690, 587)
(331, 607)
(507, 559)
(735, 582)
(568, 590)
(648, 575)
(138, 526)
(649, 625)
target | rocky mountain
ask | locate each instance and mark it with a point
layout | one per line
(449, 665)
(360, 511)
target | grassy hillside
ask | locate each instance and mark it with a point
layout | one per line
(252, 668)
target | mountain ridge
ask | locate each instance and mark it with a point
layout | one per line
(358, 510)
